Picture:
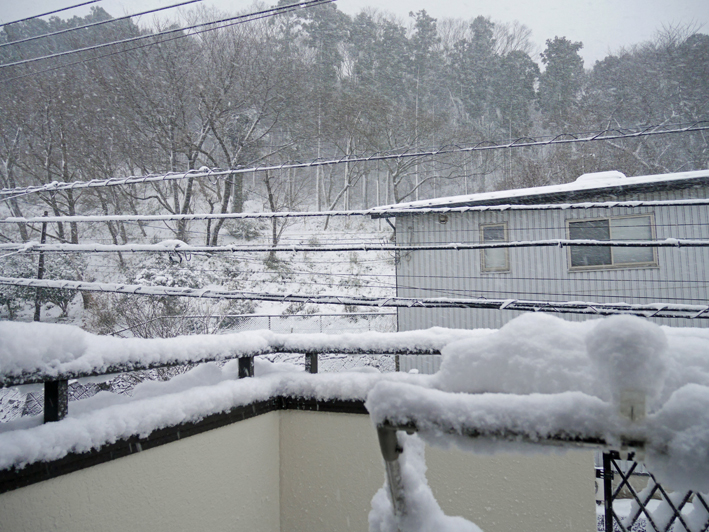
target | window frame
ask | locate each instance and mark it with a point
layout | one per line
(483, 267)
(613, 264)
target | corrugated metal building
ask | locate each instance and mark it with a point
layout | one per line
(635, 275)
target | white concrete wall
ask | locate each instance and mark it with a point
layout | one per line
(298, 472)
(331, 467)
(221, 480)
(509, 492)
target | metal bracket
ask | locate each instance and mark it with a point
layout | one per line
(56, 400)
(311, 362)
(388, 443)
(246, 367)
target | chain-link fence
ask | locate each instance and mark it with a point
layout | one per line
(280, 323)
(313, 323)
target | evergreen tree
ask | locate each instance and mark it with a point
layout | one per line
(561, 82)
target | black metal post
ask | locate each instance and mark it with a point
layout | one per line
(608, 492)
(311, 362)
(246, 367)
(56, 400)
(40, 272)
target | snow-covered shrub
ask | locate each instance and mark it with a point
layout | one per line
(166, 317)
(245, 229)
(67, 267)
(15, 298)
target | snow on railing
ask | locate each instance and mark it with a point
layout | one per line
(53, 354)
(620, 383)
(639, 389)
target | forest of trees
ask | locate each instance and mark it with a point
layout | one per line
(317, 83)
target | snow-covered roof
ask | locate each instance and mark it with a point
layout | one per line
(586, 186)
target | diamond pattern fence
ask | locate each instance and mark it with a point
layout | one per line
(635, 502)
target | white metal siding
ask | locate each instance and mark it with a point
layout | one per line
(542, 273)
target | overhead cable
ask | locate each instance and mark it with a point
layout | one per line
(161, 41)
(140, 47)
(272, 10)
(50, 13)
(376, 211)
(177, 246)
(99, 23)
(656, 310)
(522, 142)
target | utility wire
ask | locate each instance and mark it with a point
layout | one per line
(273, 10)
(522, 142)
(49, 13)
(162, 41)
(376, 212)
(179, 247)
(657, 310)
(99, 23)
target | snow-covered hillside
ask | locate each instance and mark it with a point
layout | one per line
(303, 273)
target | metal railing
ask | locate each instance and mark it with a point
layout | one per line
(56, 385)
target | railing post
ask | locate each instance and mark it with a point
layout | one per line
(40, 273)
(56, 400)
(246, 367)
(608, 492)
(311, 362)
(390, 448)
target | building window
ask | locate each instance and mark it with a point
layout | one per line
(494, 259)
(618, 228)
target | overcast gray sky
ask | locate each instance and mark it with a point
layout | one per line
(602, 25)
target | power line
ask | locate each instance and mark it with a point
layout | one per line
(273, 10)
(49, 13)
(162, 41)
(179, 247)
(575, 293)
(93, 24)
(376, 211)
(522, 142)
(656, 310)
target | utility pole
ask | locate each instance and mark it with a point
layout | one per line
(40, 272)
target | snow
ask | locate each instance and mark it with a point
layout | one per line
(54, 349)
(423, 514)
(207, 389)
(438, 414)
(541, 353)
(538, 377)
(601, 177)
(603, 183)
(628, 356)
